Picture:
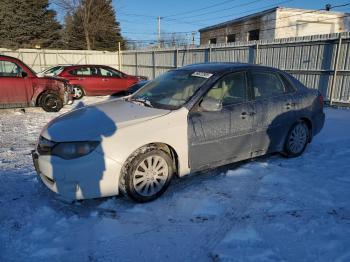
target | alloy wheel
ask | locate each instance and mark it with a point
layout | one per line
(298, 138)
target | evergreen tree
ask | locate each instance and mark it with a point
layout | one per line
(92, 25)
(73, 33)
(27, 24)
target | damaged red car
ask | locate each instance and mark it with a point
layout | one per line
(20, 87)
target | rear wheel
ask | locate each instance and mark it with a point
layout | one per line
(51, 102)
(78, 92)
(147, 175)
(297, 139)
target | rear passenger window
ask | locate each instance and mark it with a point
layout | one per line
(267, 85)
(231, 89)
(84, 71)
(288, 85)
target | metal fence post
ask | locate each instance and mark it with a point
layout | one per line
(257, 54)
(154, 63)
(177, 58)
(335, 71)
(137, 64)
(56, 57)
(209, 56)
(38, 53)
(44, 57)
(119, 58)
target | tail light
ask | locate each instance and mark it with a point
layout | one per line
(321, 100)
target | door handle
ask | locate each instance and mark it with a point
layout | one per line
(104, 79)
(81, 78)
(252, 113)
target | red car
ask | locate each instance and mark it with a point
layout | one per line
(20, 87)
(94, 80)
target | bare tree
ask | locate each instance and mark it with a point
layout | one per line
(95, 17)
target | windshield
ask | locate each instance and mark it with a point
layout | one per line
(172, 89)
(54, 71)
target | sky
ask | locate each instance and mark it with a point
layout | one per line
(138, 18)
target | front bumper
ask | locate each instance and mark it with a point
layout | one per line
(91, 176)
(68, 98)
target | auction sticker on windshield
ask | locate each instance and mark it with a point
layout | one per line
(202, 74)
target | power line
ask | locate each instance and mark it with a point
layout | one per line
(273, 19)
(199, 9)
(185, 22)
(225, 9)
(273, 28)
(246, 12)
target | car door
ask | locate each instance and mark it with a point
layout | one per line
(78, 76)
(13, 85)
(113, 81)
(222, 136)
(274, 107)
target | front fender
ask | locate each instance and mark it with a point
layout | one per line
(170, 129)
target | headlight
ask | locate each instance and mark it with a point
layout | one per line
(66, 150)
(70, 150)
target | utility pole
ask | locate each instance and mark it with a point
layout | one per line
(159, 31)
(193, 34)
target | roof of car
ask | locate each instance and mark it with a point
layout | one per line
(85, 65)
(214, 67)
(10, 57)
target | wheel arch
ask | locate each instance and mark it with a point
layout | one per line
(162, 146)
(82, 88)
(39, 95)
(309, 124)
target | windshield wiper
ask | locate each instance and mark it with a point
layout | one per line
(143, 101)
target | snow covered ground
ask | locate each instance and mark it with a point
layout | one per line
(270, 209)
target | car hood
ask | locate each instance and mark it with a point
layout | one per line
(57, 78)
(97, 121)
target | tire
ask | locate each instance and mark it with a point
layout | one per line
(78, 92)
(51, 102)
(296, 140)
(138, 178)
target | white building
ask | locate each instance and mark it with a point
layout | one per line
(278, 22)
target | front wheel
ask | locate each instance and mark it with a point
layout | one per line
(147, 175)
(51, 102)
(78, 92)
(297, 139)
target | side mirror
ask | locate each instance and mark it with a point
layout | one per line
(24, 74)
(211, 104)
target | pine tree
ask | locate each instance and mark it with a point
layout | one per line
(27, 24)
(73, 33)
(93, 22)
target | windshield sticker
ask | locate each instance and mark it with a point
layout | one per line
(202, 74)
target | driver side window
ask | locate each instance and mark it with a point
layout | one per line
(10, 69)
(231, 89)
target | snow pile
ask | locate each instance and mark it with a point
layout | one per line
(270, 209)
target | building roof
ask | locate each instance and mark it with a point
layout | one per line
(259, 14)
